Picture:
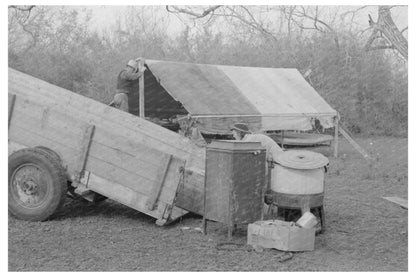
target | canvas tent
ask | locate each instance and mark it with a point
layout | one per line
(217, 96)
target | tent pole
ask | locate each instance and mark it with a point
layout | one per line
(336, 137)
(141, 90)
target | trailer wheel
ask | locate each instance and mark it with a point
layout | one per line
(37, 184)
(50, 152)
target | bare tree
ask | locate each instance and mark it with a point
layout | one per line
(304, 17)
(386, 33)
(308, 18)
(243, 14)
(294, 18)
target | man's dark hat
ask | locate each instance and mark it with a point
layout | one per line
(242, 127)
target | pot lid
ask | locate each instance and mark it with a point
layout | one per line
(302, 159)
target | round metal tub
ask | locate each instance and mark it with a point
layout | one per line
(299, 172)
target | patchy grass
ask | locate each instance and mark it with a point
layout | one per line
(364, 232)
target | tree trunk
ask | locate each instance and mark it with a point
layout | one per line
(388, 28)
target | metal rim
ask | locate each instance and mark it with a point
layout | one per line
(30, 185)
(302, 159)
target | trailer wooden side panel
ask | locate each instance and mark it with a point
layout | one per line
(118, 168)
(141, 138)
(93, 112)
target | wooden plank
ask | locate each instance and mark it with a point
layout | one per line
(129, 162)
(12, 100)
(110, 171)
(125, 148)
(191, 195)
(173, 180)
(398, 200)
(31, 113)
(145, 162)
(30, 139)
(354, 144)
(123, 195)
(158, 183)
(66, 141)
(111, 119)
(131, 199)
(112, 163)
(145, 136)
(88, 109)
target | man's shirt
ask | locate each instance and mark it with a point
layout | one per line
(272, 149)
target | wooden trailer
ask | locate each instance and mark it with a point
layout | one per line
(60, 141)
(92, 149)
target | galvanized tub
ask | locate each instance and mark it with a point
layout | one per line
(299, 172)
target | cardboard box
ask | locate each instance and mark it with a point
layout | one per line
(280, 235)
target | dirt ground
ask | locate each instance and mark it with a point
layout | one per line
(363, 231)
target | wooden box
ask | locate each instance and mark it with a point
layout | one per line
(280, 235)
(235, 180)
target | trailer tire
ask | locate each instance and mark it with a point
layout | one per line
(50, 152)
(37, 184)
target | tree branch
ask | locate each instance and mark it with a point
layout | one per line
(22, 8)
(190, 12)
(322, 27)
(27, 9)
(370, 40)
(315, 19)
(379, 47)
(253, 23)
(343, 15)
(388, 28)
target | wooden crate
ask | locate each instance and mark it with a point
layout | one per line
(235, 182)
